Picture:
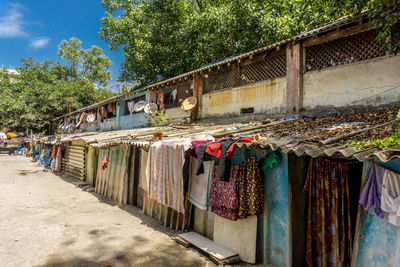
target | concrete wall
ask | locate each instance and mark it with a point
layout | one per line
(377, 242)
(89, 127)
(365, 83)
(132, 121)
(176, 114)
(265, 97)
(108, 124)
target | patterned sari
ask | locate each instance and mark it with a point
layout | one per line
(329, 237)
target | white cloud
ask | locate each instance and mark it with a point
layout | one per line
(11, 24)
(40, 42)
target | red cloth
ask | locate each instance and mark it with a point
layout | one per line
(199, 142)
(231, 149)
(214, 149)
(104, 162)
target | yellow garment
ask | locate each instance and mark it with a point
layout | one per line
(11, 135)
(110, 108)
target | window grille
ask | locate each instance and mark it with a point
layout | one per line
(269, 68)
(354, 48)
(266, 69)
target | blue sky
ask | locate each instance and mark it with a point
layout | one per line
(36, 27)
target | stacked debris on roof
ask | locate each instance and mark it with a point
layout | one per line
(319, 129)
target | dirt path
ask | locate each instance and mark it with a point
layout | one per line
(47, 221)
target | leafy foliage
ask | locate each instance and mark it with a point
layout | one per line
(43, 91)
(386, 142)
(89, 63)
(164, 38)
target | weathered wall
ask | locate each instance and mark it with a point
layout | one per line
(176, 114)
(375, 82)
(266, 97)
(132, 121)
(89, 127)
(377, 240)
(108, 124)
(272, 230)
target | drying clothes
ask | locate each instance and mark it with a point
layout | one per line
(199, 185)
(250, 189)
(371, 194)
(103, 113)
(186, 167)
(197, 143)
(58, 166)
(390, 201)
(231, 149)
(223, 150)
(103, 163)
(223, 195)
(110, 108)
(131, 107)
(329, 237)
(166, 159)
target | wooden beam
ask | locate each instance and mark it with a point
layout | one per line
(339, 34)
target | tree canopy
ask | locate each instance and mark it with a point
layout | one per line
(164, 38)
(42, 91)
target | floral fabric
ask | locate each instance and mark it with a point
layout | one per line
(329, 237)
(223, 195)
(250, 189)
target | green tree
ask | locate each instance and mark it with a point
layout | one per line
(35, 96)
(163, 38)
(89, 63)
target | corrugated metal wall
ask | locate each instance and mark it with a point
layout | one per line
(113, 181)
(170, 218)
(92, 157)
(74, 161)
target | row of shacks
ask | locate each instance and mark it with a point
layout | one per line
(289, 195)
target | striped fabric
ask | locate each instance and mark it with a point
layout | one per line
(165, 164)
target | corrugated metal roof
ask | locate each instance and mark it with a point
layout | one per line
(315, 137)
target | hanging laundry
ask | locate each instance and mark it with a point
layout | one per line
(131, 106)
(58, 165)
(199, 185)
(104, 162)
(250, 189)
(110, 108)
(371, 194)
(166, 160)
(390, 201)
(223, 150)
(223, 195)
(329, 237)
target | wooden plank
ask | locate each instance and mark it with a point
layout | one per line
(206, 245)
(339, 34)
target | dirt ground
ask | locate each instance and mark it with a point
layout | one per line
(47, 221)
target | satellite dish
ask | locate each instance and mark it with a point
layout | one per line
(139, 106)
(91, 118)
(150, 108)
(189, 103)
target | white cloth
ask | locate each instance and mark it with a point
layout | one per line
(199, 185)
(131, 107)
(390, 201)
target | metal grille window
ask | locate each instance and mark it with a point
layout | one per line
(358, 47)
(269, 68)
(266, 69)
(221, 80)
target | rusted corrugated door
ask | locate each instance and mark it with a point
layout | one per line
(75, 162)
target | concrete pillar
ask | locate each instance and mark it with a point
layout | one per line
(294, 79)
